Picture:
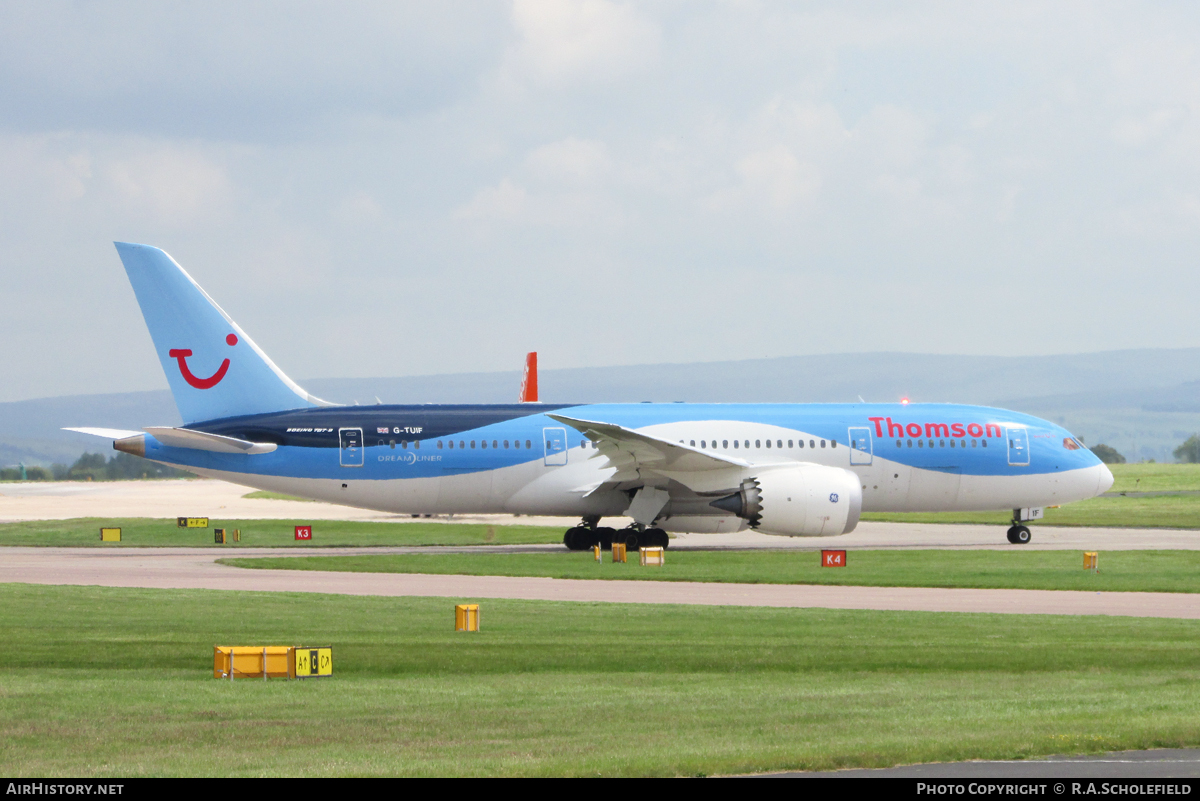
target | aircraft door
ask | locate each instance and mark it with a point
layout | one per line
(556, 446)
(1018, 446)
(860, 446)
(350, 447)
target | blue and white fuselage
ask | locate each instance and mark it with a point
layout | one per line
(791, 469)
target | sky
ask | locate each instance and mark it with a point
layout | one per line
(386, 189)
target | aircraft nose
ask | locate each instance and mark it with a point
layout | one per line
(1106, 480)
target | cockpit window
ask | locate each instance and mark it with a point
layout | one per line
(1071, 444)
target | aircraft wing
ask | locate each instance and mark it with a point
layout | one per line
(630, 451)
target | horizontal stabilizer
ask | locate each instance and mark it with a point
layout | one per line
(107, 433)
(202, 441)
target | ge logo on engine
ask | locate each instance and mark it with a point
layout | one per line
(833, 497)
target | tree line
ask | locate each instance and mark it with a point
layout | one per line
(1186, 453)
(94, 467)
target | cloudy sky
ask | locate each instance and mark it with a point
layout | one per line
(391, 189)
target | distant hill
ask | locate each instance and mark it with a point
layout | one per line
(1142, 402)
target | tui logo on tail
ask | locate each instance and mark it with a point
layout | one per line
(181, 354)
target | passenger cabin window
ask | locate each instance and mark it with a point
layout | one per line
(768, 443)
(392, 444)
(757, 443)
(812, 443)
(703, 443)
(789, 443)
(693, 443)
(822, 443)
(528, 444)
(472, 443)
(461, 444)
(724, 443)
(404, 444)
(735, 443)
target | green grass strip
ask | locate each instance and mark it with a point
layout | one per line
(117, 682)
(1166, 511)
(1126, 571)
(265, 495)
(143, 532)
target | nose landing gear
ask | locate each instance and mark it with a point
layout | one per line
(1019, 534)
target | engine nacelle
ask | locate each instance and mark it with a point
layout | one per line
(804, 500)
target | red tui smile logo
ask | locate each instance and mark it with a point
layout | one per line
(181, 355)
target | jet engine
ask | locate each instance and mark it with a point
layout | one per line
(805, 500)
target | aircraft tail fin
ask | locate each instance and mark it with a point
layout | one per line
(213, 368)
(529, 387)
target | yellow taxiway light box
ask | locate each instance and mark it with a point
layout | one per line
(654, 557)
(110, 535)
(252, 661)
(466, 617)
(191, 522)
(1091, 560)
(618, 549)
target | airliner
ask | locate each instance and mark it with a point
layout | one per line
(795, 470)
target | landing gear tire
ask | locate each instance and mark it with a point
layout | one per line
(1019, 535)
(577, 539)
(606, 536)
(655, 538)
(633, 538)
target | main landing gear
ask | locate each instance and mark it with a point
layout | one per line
(588, 535)
(1019, 534)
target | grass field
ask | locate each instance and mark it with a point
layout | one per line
(265, 495)
(1168, 511)
(270, 533)
(1127, 571)
(1162, 511)
(117, 682)
(1151, 477)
